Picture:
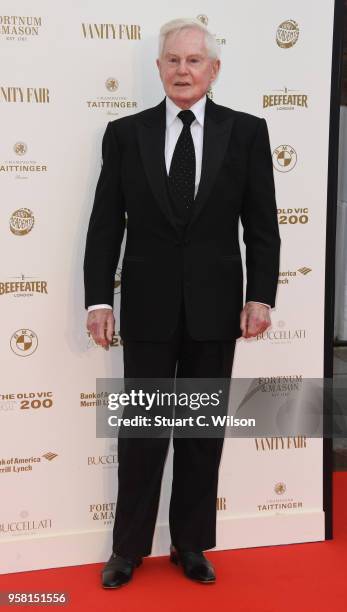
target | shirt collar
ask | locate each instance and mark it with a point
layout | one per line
(198, 109)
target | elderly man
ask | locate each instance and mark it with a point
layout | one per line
(185, 172)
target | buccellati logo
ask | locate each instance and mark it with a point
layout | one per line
(284, 158)
(281, 334)
(20, 148)
(287, 34)
(24, 342)
(22, 221)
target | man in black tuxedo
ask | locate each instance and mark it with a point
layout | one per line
(184, 171)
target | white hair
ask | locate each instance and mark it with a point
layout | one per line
(177, 25)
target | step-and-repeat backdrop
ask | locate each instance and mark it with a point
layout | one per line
(67, 69)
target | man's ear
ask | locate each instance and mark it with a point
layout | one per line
(215, 69)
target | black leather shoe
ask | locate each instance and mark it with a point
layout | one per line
(118, 571)
(195, 565)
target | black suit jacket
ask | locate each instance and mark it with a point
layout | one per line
(201, 264)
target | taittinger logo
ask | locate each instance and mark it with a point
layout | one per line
(21, 168)
(112, 103)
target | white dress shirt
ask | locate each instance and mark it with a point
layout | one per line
(174, 127)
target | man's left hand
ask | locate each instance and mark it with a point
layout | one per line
(254, 319)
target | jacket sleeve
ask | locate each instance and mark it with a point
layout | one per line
(259, 220)
(106, 227)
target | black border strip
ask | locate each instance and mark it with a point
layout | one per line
(335, 101)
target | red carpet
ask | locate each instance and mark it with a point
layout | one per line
(300, 577)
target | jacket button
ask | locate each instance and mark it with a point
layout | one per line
(186, 241)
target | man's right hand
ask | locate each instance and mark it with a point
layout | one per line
(101, 324)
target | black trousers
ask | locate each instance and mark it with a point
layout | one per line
(192, 515)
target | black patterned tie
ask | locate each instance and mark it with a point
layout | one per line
(182, 168)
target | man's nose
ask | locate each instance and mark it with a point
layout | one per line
(182, 67)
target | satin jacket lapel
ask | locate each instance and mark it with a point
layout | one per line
(217, 130)
(151, 137)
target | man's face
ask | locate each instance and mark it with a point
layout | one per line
(185, 69)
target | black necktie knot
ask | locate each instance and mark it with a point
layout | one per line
(187, 117)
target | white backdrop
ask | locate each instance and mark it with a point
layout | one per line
(58, 482)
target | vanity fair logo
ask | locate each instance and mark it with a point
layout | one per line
(221, 40)
(38, 95)
(21, 168)
(111, 31)
(24, 342)
(22, 221)
(287, 99)
(112, 104)
(279, 443)
(15, 27)
(287, 34)
(284, 158)
(23, 286)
